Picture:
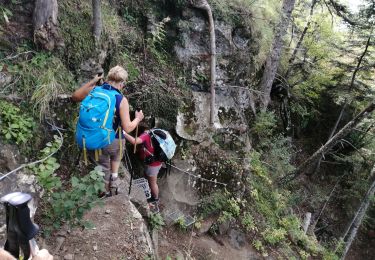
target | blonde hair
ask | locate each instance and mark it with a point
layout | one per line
(117, 74)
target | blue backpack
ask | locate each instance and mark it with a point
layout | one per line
(96, 115)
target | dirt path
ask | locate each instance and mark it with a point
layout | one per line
(184, 244)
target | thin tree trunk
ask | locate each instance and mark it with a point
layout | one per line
(97, 19)
(203, 4)
(317, 167)
(331, 142)
(351, 232)
(46, 33)
(213, 62)
(273, 59)
(300, 40)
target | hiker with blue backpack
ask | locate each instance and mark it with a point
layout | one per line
(103, 115)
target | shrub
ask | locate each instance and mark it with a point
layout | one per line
(68, 203)
(274, 236)
(15, 125)
(264, 124)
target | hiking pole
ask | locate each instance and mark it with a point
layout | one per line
(19, 227)
(130, 169)
(136, 134)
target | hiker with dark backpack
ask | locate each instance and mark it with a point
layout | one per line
(104, 113)
(151, 153)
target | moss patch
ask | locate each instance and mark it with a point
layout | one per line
(75, 23)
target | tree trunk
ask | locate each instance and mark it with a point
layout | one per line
(97, 19)
(317, 167)
(351, 232)
(46, 33)
(331, 142)
(300, 40)
(273, 59)
(203, 4)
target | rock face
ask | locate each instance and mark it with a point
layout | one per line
(119, 232)
(232, 105)
(233, 101)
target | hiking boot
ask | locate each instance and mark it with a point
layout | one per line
(154, 207)
(114, 183)
(113, 190)
(152, 199)
(104, 194)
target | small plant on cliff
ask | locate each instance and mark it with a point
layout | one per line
(45, 172)
(156, 221)
(15, 125)
(156, 41)
(181, 224)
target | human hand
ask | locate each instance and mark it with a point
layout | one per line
(139, 115)
(98, 78)
(4, 255)
(43, 255)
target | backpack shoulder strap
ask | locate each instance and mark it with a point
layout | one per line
(144, 147)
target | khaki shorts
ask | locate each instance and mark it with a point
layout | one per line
(109, 153)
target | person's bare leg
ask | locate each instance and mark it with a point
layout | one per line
(115, 165)
(152, 181)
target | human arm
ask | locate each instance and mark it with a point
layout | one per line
(133, 140)
(83, 91)
(126, 123)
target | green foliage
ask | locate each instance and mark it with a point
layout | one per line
(16, 126)
(76, 30)
(70, 205)
(181, 224)
(274, 236)
(302, 113)
(5, 14)
(264, 124)
(214, 203)
(131, 67)
(247, 221)
(231, 210)
(43, 77)
(277, 153)
(45, 171)
(260, 247)
(270, 211)
(156, 42)
(65, 203)
(128, 16)
(111, 24)
(156, 221)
